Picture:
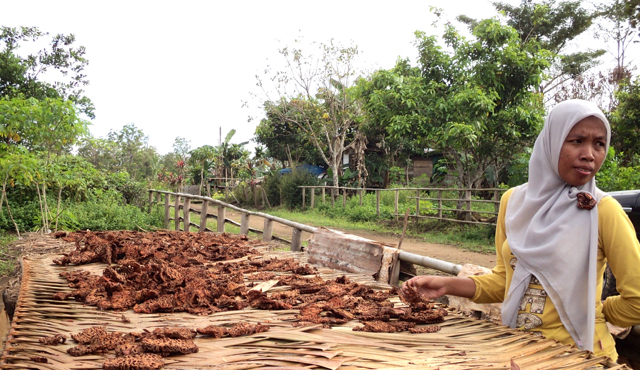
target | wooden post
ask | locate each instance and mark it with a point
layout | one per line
(467, 195)
(332, 193)
(323, 195)
(417, 203)
(158, 197)
(186, 211)
(304, 192)
(221, 218)
(244, 224)
(267, 233)
(150, 200)
(313, 197)
(167, 210)
(439, 203)
(208, 190)
(203, 216)
(255, 196)
(378, 202)
(176, 218)
(396, 203)
(496, 198)
(226, 192)
(360, 194)
(296, 240)
(344, 197)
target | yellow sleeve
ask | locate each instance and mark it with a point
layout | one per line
(490, 288)
(622, 250)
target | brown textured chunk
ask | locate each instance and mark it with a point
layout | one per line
(146, 361)
(169, 346)
(53, 340)
(213, 330)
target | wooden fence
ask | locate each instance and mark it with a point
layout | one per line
(173, 200)
(182, 201)
(470, 216)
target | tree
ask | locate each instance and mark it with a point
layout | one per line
(202, 157)
(313, 94)
(552, 26)
(625, 124)
(632, 11)
(27, 77)
(284, 141)
(475, 105)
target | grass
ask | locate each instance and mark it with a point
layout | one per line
(8, 257)
(476, 238)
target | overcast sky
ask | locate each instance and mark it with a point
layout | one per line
(184, 68)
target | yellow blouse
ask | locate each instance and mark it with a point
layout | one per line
(617, 244)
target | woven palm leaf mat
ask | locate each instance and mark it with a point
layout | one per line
(462, 343)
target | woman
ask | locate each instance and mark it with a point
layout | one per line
(554, 236)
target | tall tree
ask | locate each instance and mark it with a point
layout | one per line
(552, 25)
(313, 94)
(475, 105)
(28, 76)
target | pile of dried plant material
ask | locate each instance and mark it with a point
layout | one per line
(144, 350)
(171, 272)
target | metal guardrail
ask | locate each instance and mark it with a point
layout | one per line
(267, 233)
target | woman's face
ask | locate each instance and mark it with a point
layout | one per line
(583, 151)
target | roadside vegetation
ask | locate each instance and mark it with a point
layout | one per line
(458, 105)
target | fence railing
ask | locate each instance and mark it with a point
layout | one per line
(464, 205)
(156, 198)
(185, 220)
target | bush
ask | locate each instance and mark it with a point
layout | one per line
(272, 185)
(290, 187)
(133, 192)
(106, 213)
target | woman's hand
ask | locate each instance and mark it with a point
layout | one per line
(432, 287)
(423, 287)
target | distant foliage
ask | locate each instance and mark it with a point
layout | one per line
(614, 177)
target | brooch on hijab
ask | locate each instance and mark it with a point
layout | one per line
(586, 201)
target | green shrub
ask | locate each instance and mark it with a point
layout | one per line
(132, 192)
(272, 185)
(109, 214)
(26, 216)
(290, 187)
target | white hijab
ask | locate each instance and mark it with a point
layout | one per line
(550, 236)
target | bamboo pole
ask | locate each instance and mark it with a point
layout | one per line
(496, 198)
(378, 202)
(323, 195)
(150, 200)
(304, 191)
(360, 193)
(203, 215)
(439, 203)
(417, 203)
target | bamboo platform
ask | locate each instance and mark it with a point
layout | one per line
(462, 343)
